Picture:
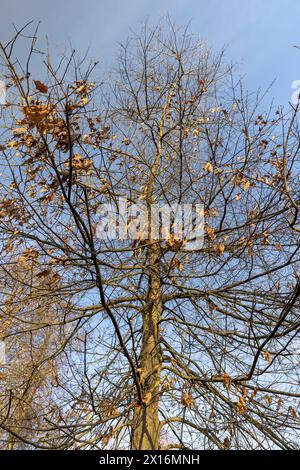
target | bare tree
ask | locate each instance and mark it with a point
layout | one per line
(141, 343)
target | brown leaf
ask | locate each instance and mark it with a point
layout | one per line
(241, 406)
(147, 398)
(220, 248)
(187, 400)
(267, 356)
(210, 232)
(226, 443)
(40, 86)
(246, 185)
(293, 412)
(44, 273)
(227, 381)
(268, 399)
(208, 167)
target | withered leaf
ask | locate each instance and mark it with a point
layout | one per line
(40, 86)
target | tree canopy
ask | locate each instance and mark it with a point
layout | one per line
(119, 344)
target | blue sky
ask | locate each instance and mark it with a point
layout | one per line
(259, 34)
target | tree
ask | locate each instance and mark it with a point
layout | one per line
(155, 346)
(26, 385)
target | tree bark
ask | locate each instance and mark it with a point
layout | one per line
(146, 425)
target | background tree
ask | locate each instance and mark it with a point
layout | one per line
(141, 344)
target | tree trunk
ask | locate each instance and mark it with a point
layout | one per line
(146, 426)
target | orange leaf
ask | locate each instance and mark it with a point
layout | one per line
(40, 86)
(267, 356)
(187, 400)
(147, 398)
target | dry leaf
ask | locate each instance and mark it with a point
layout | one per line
(268, 399)
(44, 273)
(227, 381)
(293, 412)
(147, 398)
(210, 232)
(187, 400)
(267, 356)
(40, 86)
(246, 186)
(241, 406)
(226, 443)
(220, 248)
(208, 167)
